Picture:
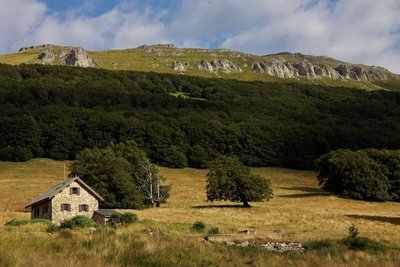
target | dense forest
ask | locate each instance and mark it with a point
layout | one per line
(54, 111)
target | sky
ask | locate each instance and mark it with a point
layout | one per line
(357, 31)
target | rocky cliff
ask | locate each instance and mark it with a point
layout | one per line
(282, 68)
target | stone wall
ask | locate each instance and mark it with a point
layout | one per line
(65, 197)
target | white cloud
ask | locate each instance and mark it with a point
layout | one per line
(18, 19)
(117, 28)
(360, 31)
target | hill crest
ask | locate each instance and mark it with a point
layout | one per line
(222, 63)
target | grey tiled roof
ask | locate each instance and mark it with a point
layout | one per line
(58, 188)
(105, 212)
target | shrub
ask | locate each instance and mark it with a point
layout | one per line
(122, 218)
(364, 243)
(52, 228)
(353, 231)
(198, 226)
(214, 231)
(78, 221)
(353, 241)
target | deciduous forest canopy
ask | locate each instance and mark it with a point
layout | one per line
(54, 111)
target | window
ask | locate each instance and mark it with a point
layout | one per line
(65, 207)
(36, 213)
(83, 207)
(45, 209)
(75, 191)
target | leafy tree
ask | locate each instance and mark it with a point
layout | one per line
(229, 179)
(122, 174)
(110, 176)
(353, 174)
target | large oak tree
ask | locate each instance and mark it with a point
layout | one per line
(229, 179)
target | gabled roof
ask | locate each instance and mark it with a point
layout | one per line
(58, 188)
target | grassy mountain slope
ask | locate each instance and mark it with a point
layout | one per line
(160, 58)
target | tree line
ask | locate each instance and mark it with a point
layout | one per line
(56, 111)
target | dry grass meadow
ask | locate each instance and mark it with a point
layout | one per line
(299, 211)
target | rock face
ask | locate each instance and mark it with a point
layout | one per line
(279, 67)
(178, 66)
(276, 67)
(215, 65)
(205, 65)
(71, 56)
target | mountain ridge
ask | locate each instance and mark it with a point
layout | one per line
(222, 63)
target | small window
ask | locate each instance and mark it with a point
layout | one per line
(65, 207)
(45, 209)
(83, 207)
(36, 213)
(75, 191)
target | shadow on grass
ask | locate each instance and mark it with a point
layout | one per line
(308, 192)
(303, 189)
(392, 220)
(302, 195)
(219, 206)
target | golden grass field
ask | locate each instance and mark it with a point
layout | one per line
(299, 211)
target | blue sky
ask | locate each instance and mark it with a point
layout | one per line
(359, 31)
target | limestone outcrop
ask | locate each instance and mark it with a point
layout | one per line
(215, 65)
(178, 66)
(276, 67)
(279, 67)
(71, 56)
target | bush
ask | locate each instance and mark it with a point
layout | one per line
(52, 228)
(353, 241)
(363, 243)
(78, 221)
(353, 231)
(122, 218)
(214, 231)
(198, 226)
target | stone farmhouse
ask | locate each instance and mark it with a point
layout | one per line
(66, 200)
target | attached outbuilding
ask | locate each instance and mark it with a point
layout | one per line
(102, 215)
